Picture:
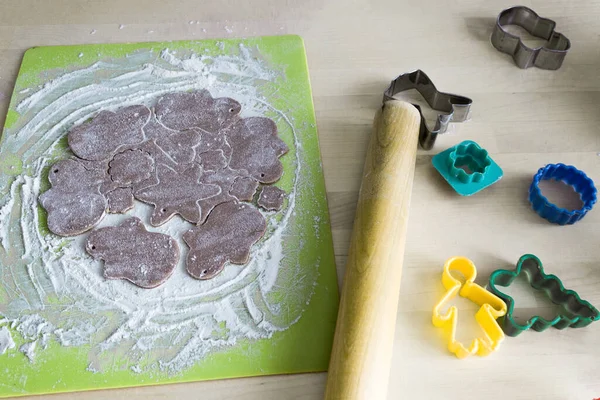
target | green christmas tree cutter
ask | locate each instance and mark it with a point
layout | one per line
(577, 313)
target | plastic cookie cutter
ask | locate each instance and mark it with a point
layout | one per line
(578, 313)
(491, 308)
(481, 170)
(570, 175)
(454, 108)
(549, 56)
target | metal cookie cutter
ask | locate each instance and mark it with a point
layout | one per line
(455, 108)
(578, 313)
(549, 56)
(491, 308)
(571, 176)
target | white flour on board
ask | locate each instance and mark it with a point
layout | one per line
(56, 292)
(6, 340)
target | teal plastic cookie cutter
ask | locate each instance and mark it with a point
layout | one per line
(467, 167)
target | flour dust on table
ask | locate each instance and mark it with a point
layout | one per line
(160, 158)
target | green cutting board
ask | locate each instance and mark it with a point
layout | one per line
(289, 327)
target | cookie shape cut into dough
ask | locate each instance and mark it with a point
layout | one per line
(72, 213)
(130, 252)
(196, 109)
(73, 175)
(244, 188)
(130, 166)
(176, 192)
(256, 148)
(271, 198)
(226, 236)
(159, 157)
(100, 138)
(74, 203)
(120, 200)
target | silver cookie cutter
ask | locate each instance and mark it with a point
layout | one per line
(454, 108)
(549, 56)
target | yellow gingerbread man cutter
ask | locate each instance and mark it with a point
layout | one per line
(491, 308)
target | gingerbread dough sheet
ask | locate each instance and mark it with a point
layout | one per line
(192, 156)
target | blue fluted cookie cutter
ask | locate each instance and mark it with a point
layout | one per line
(483, 170)
(570, 175)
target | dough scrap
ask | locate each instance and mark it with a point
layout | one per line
(100, 138)
(176, 191)
(130, 252)
(271, 198)
(120, 200)
(158, 154)
(227, 235)
(213, 141)
(159, 157)
(131, 166)
(224, 179)
(213, 160)
(100, 168)
(243, 188)
(154, 129)
(180, 146)
(74, 203)
(256, 148)
(196, 109)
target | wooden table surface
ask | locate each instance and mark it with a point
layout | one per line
(524, 118)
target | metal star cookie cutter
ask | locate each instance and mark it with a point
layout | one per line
(549, 56)
(579, 313)
(454, 108)
(491, 308)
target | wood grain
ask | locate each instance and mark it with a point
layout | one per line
(364, 336)
(525, 118)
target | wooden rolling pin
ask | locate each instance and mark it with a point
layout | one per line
(364, 337)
